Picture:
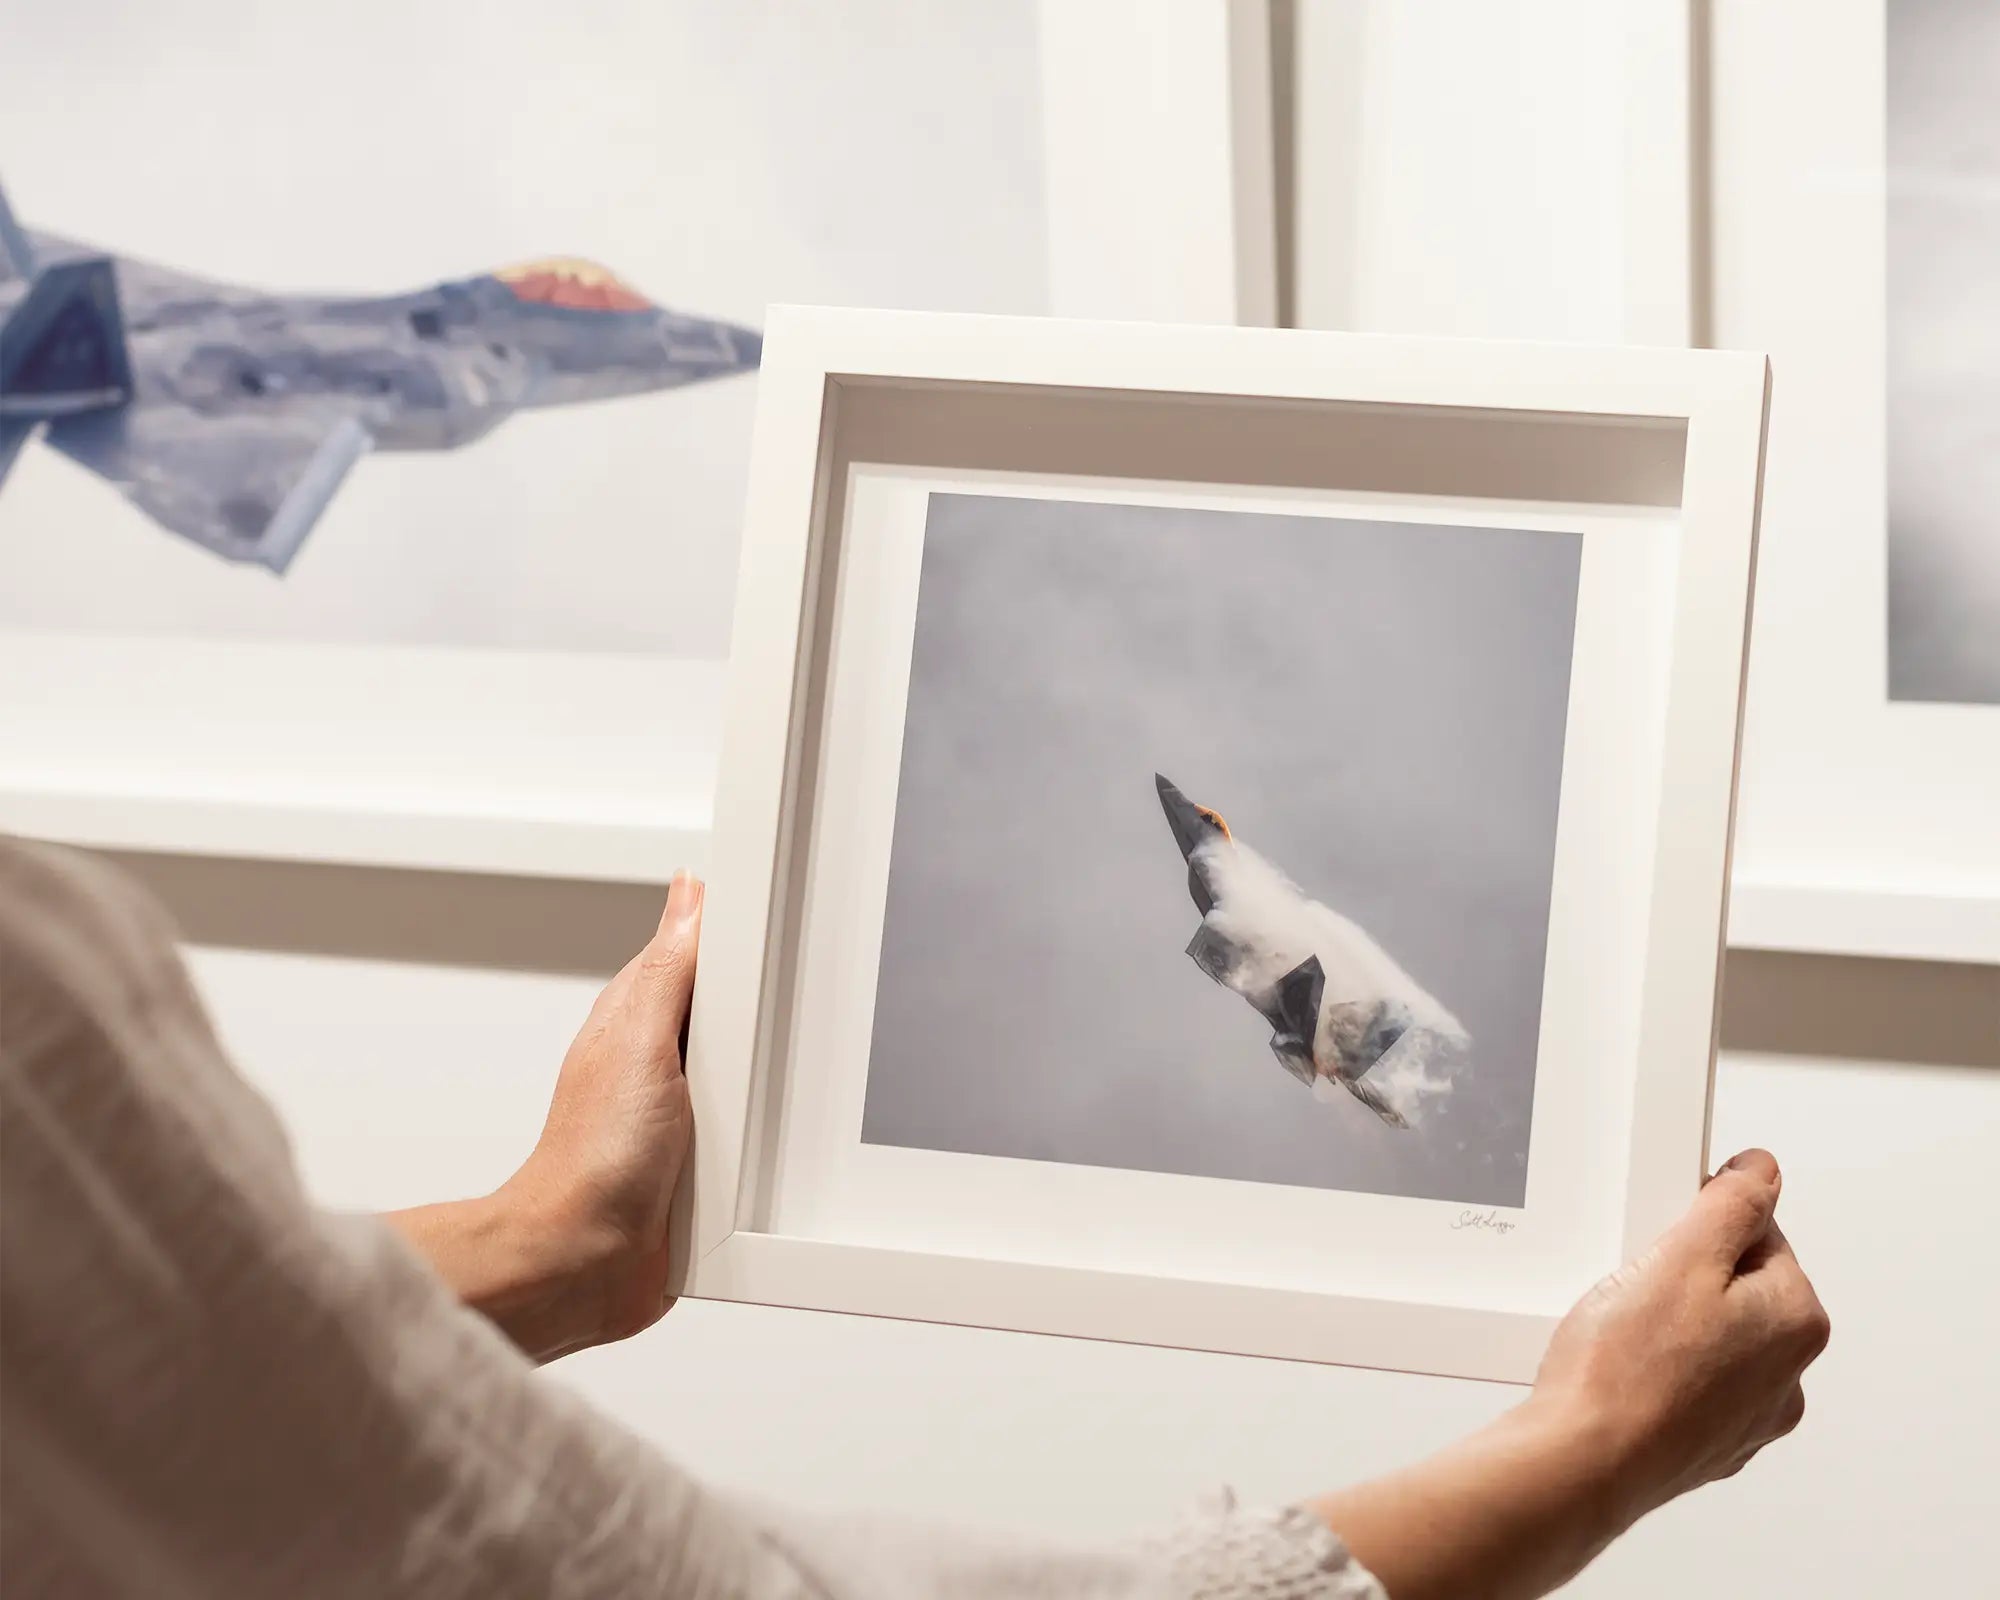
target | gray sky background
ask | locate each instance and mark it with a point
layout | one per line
(1378, 708)
(1944, 350)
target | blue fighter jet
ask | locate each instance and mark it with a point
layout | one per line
(230, 416)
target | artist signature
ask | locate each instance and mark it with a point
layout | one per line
(1491, 1221)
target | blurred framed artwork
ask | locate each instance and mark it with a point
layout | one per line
(370, 477)
(1854, 223)
(1515, 170)
(1236, 788)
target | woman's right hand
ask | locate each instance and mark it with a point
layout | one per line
(1674, 1371)
(1688, 1360)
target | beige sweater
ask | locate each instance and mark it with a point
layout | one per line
(210, 1389)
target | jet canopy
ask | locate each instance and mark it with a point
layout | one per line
(573, 285)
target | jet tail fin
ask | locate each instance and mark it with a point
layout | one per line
(62, 347)
(1298, 999)
(1292, 1009)
(17, 256)
(1295, 1056)
(1375, 1101)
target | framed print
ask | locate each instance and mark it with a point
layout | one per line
(1520, 169)
(1160, 143)
(1189, 794)
(1855, 220)
(387, 512)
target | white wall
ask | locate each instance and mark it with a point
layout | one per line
(424, 1076)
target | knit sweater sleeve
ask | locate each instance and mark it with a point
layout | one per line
(212, 1387)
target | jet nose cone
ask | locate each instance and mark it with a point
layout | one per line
(703, 348)
(1182, 816)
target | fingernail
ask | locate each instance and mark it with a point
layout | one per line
(1740, 1162)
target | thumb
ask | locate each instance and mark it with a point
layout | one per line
(669, 964)
(684, 898)
(1733, 1212)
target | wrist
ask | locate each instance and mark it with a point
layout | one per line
(1515, 1510)
(562, 1269)
(511, 1258)
(1589, 1453)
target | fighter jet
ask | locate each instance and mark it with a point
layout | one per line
(230, 416)
(1342, 1012)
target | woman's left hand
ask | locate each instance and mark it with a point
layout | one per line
(572, 1250)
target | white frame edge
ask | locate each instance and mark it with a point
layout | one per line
(521, 845)
(1662, 63)
(373, 756)
(1159, 145)
(1882, 924)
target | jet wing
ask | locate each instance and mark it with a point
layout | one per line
(14, 433)
(247, 489)
(1216, 954)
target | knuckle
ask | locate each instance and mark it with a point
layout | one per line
(1794, 1412)
(667, 961)
(1744, 1209)
(1814, 1328)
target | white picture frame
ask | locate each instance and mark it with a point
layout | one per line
(1867, 825)
(1159, 137)
(1656, 454)
(601, 766)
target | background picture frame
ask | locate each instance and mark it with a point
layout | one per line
(1864, 827)
(865, 419)
(1867, 821)
(1425, 192)
(577, 764)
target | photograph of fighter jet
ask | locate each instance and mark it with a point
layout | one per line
(1355, 732)
(305, 305)
(1343, 1014)
(231, 416)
